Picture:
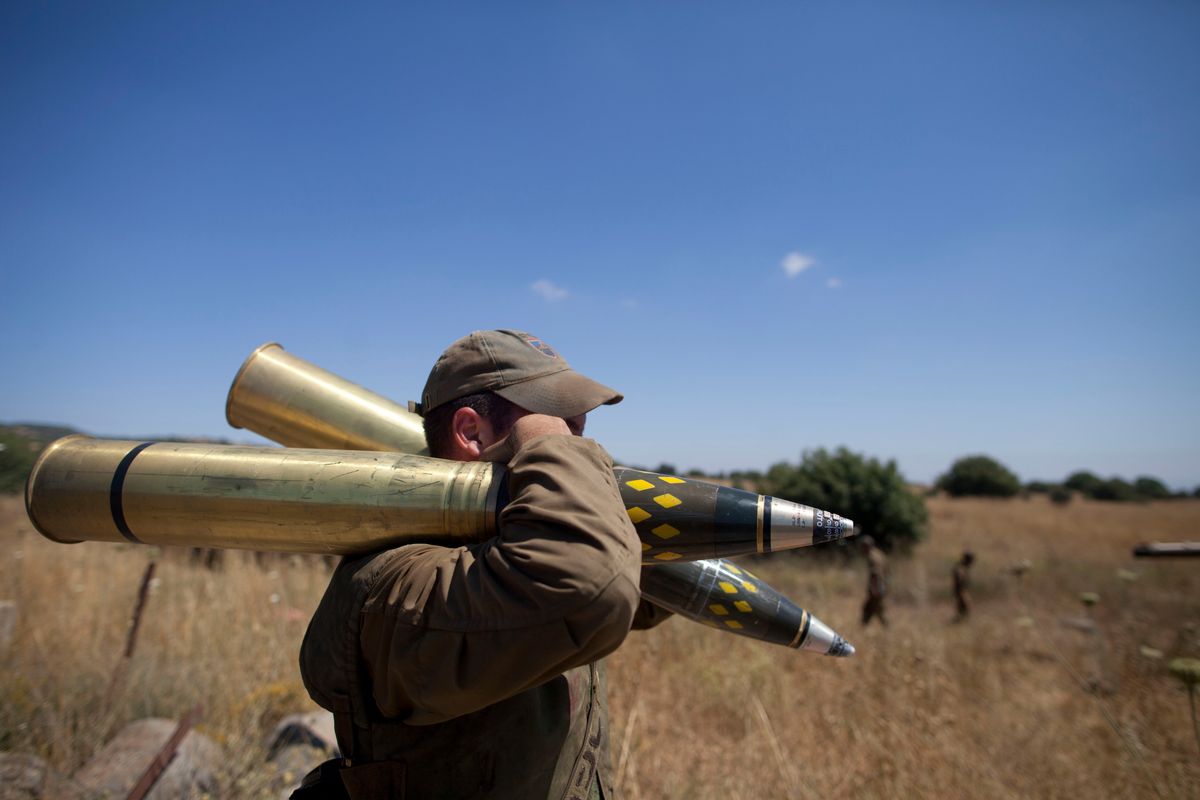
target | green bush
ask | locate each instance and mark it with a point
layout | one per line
(1084, 482)
(17, 455)
(1060, 495)
(1151, 488)
(979, 475)
(1039, 487)
(1114, 489)
(873, 494)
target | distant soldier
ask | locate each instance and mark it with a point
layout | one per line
(876, 580)
(962, 583)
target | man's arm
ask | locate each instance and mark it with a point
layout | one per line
(447, 631)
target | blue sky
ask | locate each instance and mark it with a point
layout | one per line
(919, 230)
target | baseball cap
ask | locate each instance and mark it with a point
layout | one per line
(517, 366)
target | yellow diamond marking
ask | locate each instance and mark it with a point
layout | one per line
(711, 624)
(742, 606)
(749, 587)
(667, 500)
(637, 514)
(734, 569)
(668, 556)
(727, 587)
(665, 531)
(733, 623)
(640, 485)
(719, 610)
(645, 547)
(668, 479)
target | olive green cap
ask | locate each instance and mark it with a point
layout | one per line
(517, 366)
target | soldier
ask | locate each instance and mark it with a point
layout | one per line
(876, 580)
(962, 583)
(475, 672)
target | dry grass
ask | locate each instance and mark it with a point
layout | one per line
(989, 708)
(227, 639)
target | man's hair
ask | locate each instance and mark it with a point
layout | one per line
(500, 413)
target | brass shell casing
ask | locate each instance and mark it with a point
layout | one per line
(258, 498)
(298, 404)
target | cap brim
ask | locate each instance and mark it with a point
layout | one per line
(560, 394)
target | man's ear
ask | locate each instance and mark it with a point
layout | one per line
(467, 434)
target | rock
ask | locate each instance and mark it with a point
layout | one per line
(116, 768)
(27, 777)
(314, 729)
(297, 745)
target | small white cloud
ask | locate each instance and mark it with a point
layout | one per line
(549, 292)
(796, 262)
(834, 283)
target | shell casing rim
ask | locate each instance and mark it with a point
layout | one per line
(237, 379)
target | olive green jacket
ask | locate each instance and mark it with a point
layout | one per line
(468, 671)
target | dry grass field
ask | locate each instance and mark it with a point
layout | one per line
(996, 707)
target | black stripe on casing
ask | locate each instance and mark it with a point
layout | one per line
(115, 502)
(767, 524)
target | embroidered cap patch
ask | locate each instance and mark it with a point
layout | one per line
(539, 345)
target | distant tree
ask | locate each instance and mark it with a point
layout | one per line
(979, 475)
(1151, 488)
(1114, 489)
(1060, 495)
(1038, 487)
(696, 473)
(17, 455)
(1084, 482)
(666, 469)
(1196, 492)
(873, 494)
(746, 479)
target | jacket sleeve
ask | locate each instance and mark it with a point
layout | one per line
(447, 631)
